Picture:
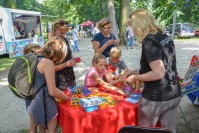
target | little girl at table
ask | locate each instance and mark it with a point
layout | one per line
(94, 76)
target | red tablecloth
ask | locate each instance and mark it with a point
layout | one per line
(104, 120)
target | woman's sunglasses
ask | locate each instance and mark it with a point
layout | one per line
(62, 23)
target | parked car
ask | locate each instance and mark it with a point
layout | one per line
(196, 33)
(181, 30)
(196, 29)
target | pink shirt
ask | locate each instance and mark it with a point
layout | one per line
(89, 81)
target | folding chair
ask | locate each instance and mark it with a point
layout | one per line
(136, 129)
(190, 83)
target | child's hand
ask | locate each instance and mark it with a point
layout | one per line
(112, 76)
(121, 92)
(118, 90)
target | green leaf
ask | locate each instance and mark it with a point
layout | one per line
(88, 2)
(161, 2)
(66, 6)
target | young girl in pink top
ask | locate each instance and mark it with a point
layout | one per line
(94, 76)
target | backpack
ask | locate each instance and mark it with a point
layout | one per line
(21, 76)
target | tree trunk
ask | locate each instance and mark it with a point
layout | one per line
(111, 15)
(12, 4)
(125, 11)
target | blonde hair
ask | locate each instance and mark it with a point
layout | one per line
(31, 47)
(102, 23)
(59, 24)
(55, 49)
(143, 23)
(115, 52)
(97, 57)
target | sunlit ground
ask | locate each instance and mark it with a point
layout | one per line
(4, 82)
(191, 48)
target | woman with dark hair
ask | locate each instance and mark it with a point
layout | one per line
(104, 40)
(21, 32)
(65, 75)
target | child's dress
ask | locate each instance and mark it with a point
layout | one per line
(36, 106)
(89, 81)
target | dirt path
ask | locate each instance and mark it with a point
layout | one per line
(13, 115)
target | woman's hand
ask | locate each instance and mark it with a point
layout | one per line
(116, 42)
(110, 42)
(70, 63)
(131, 79)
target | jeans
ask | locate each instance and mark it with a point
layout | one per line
(130, 42)
(75, 47)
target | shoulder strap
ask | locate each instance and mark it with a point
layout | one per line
(42, 86)
(66, 40)
(45, 110)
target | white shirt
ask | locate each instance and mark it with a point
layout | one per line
(96, 30)
(130, 33)
(35, 39)
(74, 34)
(72, 42)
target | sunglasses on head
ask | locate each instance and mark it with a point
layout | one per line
(62, 23)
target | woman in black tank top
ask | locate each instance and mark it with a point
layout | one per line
(65, 75)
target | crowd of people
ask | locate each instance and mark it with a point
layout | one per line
(158, 72)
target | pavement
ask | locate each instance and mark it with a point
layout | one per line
(15, 119)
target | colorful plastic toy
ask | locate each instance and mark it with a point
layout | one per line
(134, 98)
(85, 90)
(128, 88)
(74, 101)
(111, 68)
(75, 89)
(77, 59)
(90, 103)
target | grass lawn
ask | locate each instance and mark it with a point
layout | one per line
(5, 62)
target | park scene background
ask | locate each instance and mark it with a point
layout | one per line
(79, 11)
